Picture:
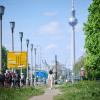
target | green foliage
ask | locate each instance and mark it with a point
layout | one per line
(85, 90)
(78, 65)
(19, 93)
(92, 40)
(4, 59)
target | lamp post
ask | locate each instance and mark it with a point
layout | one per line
(56, 69)
(27, 79)
(12, 25)
(2, 8)
(35, 51)
(21, 37)
(31, 64)
(73, 23)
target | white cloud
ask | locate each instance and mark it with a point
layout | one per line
(50, 28)
(51, 46)
(50, 13)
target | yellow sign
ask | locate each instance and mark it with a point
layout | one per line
(17, 59)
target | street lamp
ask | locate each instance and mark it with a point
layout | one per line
(27, 79)
(56, 69)
(2, 8)
(21, 37)
(31, 64)
(12, 25)
(35, 51)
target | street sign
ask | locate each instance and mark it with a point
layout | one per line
(16, 60)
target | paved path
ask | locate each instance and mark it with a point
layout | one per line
(48, 95)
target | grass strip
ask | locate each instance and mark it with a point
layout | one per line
(85, 90)
(19, 93)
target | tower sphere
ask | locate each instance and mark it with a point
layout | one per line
(72, 21)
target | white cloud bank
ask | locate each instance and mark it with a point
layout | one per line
(50, 13)
(50, 28)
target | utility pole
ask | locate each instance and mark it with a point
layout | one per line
(21, 38)
(56, 69)
(27, 78)
(35, 52)
(12, 25)
(2, 8)
(31, 64)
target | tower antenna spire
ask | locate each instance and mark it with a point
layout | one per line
(72, 4)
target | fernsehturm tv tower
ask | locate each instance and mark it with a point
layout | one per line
(73, 22)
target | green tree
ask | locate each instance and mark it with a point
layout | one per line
(78, 65)
(92, 40)
(4, 59)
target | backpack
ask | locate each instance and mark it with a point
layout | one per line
(7, 75)
(17, 77)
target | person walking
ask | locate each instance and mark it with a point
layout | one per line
(17, 79)
(50, 79)
(22, 79)
(13, 79)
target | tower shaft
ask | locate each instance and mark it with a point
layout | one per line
(73, 22)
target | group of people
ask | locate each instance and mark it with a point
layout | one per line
(14, 79)
(11, 79)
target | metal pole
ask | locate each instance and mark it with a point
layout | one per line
(12, 44)
(35, 68)
(12, 31)
(21, 44)
(12, 24)
(27, 79)
(1, 14)
(31, 64)
(20, 59)
(55, 69)
(21, 52)
(0, 44)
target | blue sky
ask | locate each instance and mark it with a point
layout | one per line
(45, 23)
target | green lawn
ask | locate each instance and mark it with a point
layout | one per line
(19, 93)
(87, 90)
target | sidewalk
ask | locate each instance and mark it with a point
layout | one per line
(48, 95)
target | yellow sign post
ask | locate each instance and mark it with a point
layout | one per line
(16, 60)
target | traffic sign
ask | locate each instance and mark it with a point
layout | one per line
(17, 60)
